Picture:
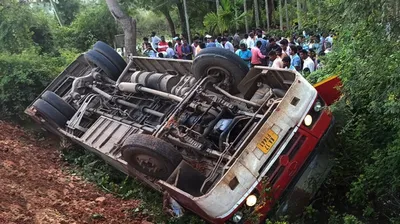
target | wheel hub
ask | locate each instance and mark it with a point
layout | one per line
(149, 163)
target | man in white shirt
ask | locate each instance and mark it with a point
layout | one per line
(275, 60)
(308, 63)
(250, 41)
(227, 44)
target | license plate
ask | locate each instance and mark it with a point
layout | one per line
(267, 141)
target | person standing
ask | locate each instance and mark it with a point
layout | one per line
(170, 52)
(287, 63)
(150, 52)
(308, 63)
(187, 50)
(178, 48)
(244, 54)
(285, 47)
(218, 43)
(210, 42)
(256, 55)
(154, 40)
(144, 44)
(227, 44)
(276, 61)
(244, 40)
(296, 61)
(195, 45)
(250, 41)
(162, 45)
(236, 38)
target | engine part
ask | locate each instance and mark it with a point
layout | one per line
(157, 81)
(126, 103)
(235, 97)
(136, 87)
(222, 125)
(262, 94)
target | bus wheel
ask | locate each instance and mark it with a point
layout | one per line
(96, 59)
(151, 156)
(58, 103)
(110, 54)
(227, 68)
(49, 113)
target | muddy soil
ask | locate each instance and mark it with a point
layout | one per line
(35, 189)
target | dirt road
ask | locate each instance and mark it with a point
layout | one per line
(34, 189)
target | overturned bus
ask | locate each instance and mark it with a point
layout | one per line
(224, 141)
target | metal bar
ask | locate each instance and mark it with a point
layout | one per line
(235, 97)
(125, 71)
(126, 103)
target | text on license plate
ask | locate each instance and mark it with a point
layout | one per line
(267, 141)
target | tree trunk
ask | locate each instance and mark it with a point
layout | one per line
(287, 15)
(245, 17)
(181, 12)
(128, 25)
(171, 24)
(187, 22)
(271, 7)
(267, 13)
(280, 14)
(256, 13)
(299, 14)
(236, 15)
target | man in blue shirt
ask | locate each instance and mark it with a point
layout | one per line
(296, 61)
(287, 63)
(210, 42)
(244, 53)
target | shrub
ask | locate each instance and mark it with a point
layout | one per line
(22, 78)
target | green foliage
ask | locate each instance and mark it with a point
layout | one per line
(67, 10)
(367, 154)
(91, 24)
(224, 19)
(15, 24)
(22, 78)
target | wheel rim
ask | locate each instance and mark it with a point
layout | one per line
(150, 164)
(221, 76)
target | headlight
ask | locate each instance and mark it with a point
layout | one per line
(251, 200)
(317, 106)
(237, 217)
(308, 120)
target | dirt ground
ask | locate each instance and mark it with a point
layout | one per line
(34, 189)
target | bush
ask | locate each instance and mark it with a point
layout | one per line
(22, 78)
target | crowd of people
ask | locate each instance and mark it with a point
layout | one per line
(257, 48)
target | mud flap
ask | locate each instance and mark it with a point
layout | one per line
(329, 89)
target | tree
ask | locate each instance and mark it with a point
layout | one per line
(128, 25)
(224, 20)
(280, 14)
(267, 15)
(67, 10)
(157, 6)
(256, 13)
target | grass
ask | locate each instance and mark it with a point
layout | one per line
(110, 180)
